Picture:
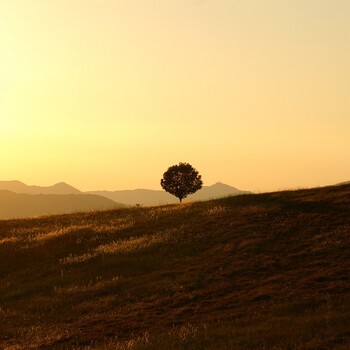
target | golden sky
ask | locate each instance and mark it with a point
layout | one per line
(107, 94)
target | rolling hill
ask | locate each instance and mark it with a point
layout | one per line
(266, 271)
(14, 205)
(344, 183)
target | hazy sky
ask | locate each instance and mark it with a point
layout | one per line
(107, 94)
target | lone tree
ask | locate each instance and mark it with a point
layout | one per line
(181, 180)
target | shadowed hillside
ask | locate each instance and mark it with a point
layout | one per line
(267, 271)
(13, 205)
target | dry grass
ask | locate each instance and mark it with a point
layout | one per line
(268, 271)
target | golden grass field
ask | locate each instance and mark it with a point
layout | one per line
(267, 271)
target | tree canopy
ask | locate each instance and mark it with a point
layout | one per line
(181, 180)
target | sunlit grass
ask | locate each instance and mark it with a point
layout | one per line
(130, 245)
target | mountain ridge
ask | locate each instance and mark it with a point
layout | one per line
(159, 197)
(140, 196)
(20, 187)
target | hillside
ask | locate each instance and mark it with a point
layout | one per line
(267, 271)
(160, 197)
(14, 205)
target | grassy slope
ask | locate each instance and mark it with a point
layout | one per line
(255, 271)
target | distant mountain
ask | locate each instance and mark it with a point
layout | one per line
(20, 187)
(33, 206)
(14, 205)
(217, 190)
(140, 196)
(158, 197)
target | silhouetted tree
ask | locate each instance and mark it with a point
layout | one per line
(181, 180)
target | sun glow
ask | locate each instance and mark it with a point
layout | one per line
(129, 88)
(5, 124)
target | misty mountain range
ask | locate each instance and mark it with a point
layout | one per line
(20, 200)
(159, 197)
(20, 187)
